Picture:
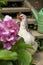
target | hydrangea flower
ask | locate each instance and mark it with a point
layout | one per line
(8, 32)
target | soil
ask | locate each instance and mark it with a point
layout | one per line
(38, 58)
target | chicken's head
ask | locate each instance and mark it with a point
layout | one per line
(21, 16)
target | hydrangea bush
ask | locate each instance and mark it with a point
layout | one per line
(8, 32)
(12, 47)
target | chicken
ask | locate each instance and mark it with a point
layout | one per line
(25, 34)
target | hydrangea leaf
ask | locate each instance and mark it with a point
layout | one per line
(8, 55)
(24, 58)
(3, 2)
(21, 45)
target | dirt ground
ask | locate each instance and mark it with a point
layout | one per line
(38, 58)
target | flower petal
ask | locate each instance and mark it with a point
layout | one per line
(7, 18)
(7, 46)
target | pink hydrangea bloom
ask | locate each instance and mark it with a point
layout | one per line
(8, 32)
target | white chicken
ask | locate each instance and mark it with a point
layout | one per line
(25, 34)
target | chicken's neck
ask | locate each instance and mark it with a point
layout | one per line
(23, 24)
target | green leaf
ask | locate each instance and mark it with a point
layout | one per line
(21, 45)
(3, 2)
(9, 63)
(24, 58)
(5, 63)
(8, 55)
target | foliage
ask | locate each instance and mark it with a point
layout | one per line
(21, 45)
(18, 52)
(7, 55)
(3, 2)
(1, 16)
(24, 57)
(5, 63)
